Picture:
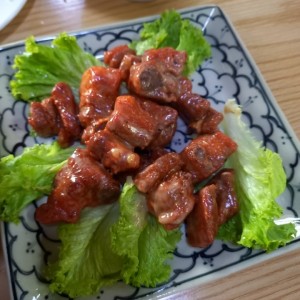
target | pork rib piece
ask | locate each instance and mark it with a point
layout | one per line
(157, 76)
(215, 204)
(142, 123)
(57, 115)
(164, 166)
(172, 200)
(114, 153)
(99, 89)
(206, 154)
(82, 182)
(197, 112)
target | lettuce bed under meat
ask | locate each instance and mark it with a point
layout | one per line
(28, 177)
(260, 179)
(110, 243)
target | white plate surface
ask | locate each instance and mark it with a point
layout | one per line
(9, 9)
(229, 73)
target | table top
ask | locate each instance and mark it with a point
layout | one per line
(270, 30)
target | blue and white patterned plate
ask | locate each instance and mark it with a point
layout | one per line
(229, 73)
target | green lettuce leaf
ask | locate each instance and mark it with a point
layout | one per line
(27, 177)
(128, 228)
(156, 247)
(40, 67)
(170, 30)
(111, 243)
(260, 179)
(142, 242)
(86, 262)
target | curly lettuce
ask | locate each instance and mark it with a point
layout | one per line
(40, 67)
(111, 243)
(171, 30)
(260, 179)
(86, 262)
(27, 177)
(142, 242)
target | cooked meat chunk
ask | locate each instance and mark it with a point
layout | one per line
(215, 204)
(149, 156)
(125, 66)
(192, 106)
(165, 120)
(227, 201)
(121, 57)
(68, 111)
(131, 122)
(151, 79)
(57, 115)
(114, 153)
(114, 56)
(158, 75)
(172, 200)
(90, 130)
(206, 154)
(198, 113)
(82, 182)
(173, 60)
(185, 86)
(149, 178)
(144, 124)
(202, 222)
(44, 118)
(99, 89)
(208, 123)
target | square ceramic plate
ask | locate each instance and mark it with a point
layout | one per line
(229, 73)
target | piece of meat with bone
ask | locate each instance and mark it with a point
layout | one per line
(152, 80)
(64, 100)
(114, 153)
(82, 182)
(215, 204)
(157, 76)
(197, 112)
(149, 156)
(172, 200)
(164, 166)
(131, 122)
(173, 60)
(114, 56)
(57, 115)
(165, 120)
(206, 154)
(142, 123)
(90, 130)
(202, 223)
(227, 200)
(122, 58)
(44, 118)
(127, 62)
(99, 89)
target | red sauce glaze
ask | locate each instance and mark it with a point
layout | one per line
(202, 222)
(206, 154)
(126, 135)
(99, 89)
(82, 182)
(57, 115)
(215, 204)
